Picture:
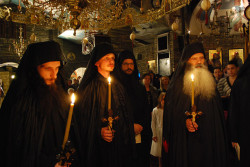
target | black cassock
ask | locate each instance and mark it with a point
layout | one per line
(240, 113)
(139, 106)
(91, 108)
(32, 127)
(33, 116)
(208, 146)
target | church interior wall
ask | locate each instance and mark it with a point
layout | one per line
(225, 43)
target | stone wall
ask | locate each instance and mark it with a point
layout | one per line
(176, 45)
(226, 43)
(7, 53)
(6, 47)
(149, 52)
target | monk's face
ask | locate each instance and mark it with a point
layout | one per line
(106, 63)
(197, 60)
(128, 66)
(48, 71)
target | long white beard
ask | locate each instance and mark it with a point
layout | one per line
(204, 83)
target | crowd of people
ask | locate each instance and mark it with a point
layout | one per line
(183, 122)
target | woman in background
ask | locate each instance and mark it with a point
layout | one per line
(164, 81)
(156, 125)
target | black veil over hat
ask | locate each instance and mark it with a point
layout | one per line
(35, 55)
(98, 52)
(40, 53)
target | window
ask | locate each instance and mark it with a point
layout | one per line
(162, 42)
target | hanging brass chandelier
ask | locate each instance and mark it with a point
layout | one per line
(19, 45)
(90, 14)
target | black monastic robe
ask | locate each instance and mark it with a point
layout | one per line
(33, 116)
(33, 129)
(207, 146)
(91, 108)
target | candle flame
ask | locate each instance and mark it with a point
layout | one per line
(73, 98)
(192, 77)
(109, 80)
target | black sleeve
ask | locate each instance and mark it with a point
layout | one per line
(234, 113)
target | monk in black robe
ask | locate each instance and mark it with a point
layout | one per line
(127, 73)
(34, 111)
(201, 143)
(240, 113)
(104, 147)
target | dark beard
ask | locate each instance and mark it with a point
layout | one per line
(51, 97)
(130, 82)
(204, 83)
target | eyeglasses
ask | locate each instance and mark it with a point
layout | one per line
(128, 64)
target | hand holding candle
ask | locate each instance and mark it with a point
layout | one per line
(192, 77)
(66, 135)
(109, 93)
(193, 113)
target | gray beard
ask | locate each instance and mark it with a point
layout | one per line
(204, 83)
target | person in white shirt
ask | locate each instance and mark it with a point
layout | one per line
(156, 125)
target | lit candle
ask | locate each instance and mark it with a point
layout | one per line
(66, 135)
(109, 97)
(192, 77)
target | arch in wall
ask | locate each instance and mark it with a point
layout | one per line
(10, 64)
(78, 73)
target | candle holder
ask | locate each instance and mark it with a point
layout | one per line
(110, 119)
(193, 114)
(67, 155)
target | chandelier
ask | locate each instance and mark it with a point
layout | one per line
(220, 25)
(19, 45)
(48, 13)
(92, 15)
(222, 20)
